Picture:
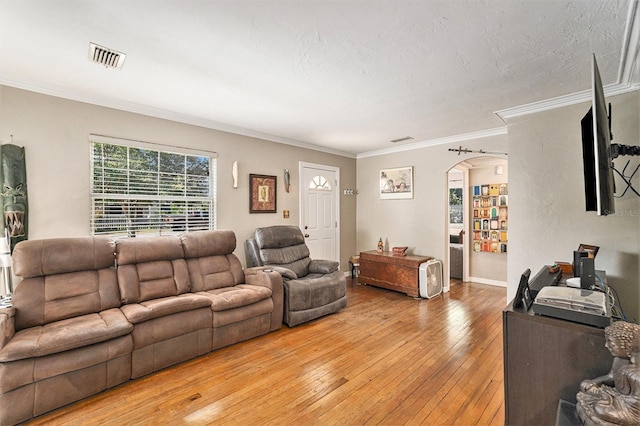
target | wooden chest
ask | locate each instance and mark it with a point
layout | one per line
(399, 273)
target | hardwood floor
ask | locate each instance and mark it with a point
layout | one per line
(386, 359)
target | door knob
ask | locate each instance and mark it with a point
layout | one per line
(306, 227)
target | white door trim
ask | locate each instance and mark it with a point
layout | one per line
(302, 165)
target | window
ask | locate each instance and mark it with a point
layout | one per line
(455, 205)
(137, 188)
(320, 183)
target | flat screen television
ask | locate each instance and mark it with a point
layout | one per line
(596, 150)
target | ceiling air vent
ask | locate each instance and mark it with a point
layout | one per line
(104, 56)
(406, 138)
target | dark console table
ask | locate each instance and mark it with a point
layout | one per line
(545, 359)
(399, 273)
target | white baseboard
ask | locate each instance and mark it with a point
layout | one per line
(489, 282)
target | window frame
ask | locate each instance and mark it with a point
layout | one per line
(157, 208)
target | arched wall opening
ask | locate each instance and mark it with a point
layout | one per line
(477, 221)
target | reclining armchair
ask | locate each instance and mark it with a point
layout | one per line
(312, 288)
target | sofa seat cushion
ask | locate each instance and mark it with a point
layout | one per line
(156, 308)
(29, 370)
(66, 334)
(314, 290)
(236, 296)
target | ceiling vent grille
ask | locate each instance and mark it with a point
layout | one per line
(104, 56)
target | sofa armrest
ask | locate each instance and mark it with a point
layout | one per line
(264, 276)
(7, 325)
(321, 266)
(286, 273)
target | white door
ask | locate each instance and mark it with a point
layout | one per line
(319, 206)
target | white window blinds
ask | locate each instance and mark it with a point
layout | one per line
(139, 188)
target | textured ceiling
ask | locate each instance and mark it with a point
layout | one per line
(347, 76)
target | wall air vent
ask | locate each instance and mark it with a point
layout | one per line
(105, 56)
(406, 138)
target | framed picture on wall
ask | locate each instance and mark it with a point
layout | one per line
(262, 193)
(591, 250)
(396, 183)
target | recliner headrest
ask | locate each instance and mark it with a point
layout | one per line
(278, 236)
(208, 243)
(148, 249)
(36, 258)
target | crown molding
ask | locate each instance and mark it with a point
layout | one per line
(164, 114)
(562, 101)
(630, 44)
(628, 63)
(433, 142)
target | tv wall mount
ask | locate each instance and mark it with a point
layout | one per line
(618, 150)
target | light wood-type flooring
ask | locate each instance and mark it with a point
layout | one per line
(386, 359)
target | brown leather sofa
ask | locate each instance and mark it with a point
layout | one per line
(80, 324)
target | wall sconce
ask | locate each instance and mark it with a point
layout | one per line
(234, 174)
(287, 180)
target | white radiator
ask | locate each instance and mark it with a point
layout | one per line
(431, 278)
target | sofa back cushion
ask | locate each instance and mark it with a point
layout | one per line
(210, 259)
(283, 246)
(151, 268)
(63, 278)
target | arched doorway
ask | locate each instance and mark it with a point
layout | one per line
(478, 255)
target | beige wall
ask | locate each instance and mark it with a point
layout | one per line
(546, 205)
(420, 223)
(55, 131)
(547, 218)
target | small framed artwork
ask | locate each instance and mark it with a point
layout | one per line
(591, 250)
(262, 193)
(396, 183)
(523, 294)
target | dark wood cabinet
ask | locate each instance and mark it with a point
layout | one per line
(545, 359)
(399, 273)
